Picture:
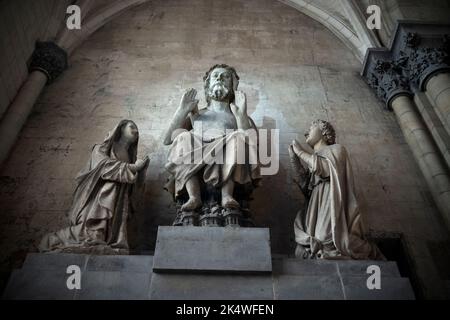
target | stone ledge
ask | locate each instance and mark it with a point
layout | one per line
(324, 287)
(210, 287)
(44, 276)
(391, 289)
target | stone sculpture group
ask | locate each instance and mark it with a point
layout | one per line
(211, 179)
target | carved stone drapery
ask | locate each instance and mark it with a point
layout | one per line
(50, 59)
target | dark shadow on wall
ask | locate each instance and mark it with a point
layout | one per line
(277, 213)
(394, 248)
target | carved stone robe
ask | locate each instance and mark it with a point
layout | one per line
(330, 226)
(190, 154)
(101, 202)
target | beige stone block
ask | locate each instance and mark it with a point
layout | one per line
(434, 163)
(437, 84)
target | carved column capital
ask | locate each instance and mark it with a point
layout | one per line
(388, 80)
(417, 52)
(50, 59)
(423, 60)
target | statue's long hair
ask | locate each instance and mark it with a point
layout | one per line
(208, 73)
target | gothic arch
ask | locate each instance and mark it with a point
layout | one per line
(343, 18)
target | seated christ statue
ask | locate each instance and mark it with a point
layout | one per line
(210, 148)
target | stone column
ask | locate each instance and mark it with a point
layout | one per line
(427, 62)
(418, 60)
(437, 89)
(425, 151)
(47, 62)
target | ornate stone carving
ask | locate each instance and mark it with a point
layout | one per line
(208, 179)
(421, 61)
(416, 54)
(329, 225)
(50, 59)
(412, 40)
(387, 80)
(104, 197)
(425, 61)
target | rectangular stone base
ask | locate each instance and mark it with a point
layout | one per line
(210, 287)
(111, 277)
(205, 263)
(212, 250)
(44, 276)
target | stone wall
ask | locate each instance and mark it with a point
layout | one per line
(22, 23)
(436, 11)
(293, 71)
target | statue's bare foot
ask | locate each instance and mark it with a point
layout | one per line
(229, 202)
(192, 204)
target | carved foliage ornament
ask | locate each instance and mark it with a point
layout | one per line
(387, 78)
(406, 72)
(420, 62)
(48, 58)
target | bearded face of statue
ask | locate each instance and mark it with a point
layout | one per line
(220, 84)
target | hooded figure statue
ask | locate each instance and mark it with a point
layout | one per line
(102, 200)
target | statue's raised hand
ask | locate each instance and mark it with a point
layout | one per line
(297, 167)
(297, 148)
(188, 102)
(239, 106)
(141, 164)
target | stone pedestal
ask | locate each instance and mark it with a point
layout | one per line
(212, 249)
(44, 276)
(199, 263)
(212, 263)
